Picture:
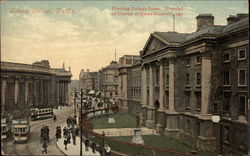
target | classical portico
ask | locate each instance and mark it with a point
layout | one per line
(25, 86)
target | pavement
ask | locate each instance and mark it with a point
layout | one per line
(124, 131)
(75, 149)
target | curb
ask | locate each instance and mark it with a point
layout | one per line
(60, 149)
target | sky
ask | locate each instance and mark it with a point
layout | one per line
(86, 34)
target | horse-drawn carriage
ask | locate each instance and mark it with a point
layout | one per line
(44, 134)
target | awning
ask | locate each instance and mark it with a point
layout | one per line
(91, 92)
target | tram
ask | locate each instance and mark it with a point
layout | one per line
(5, 127)
(21, 129)
(40, 113)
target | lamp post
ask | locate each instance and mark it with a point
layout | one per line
(217, 119)
(103, 150)
(81, 125)
(75, 103)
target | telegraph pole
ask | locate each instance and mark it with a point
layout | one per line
(81, 126)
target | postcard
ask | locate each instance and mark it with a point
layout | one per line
(125, 77)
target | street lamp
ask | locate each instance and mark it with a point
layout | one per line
(103, 135)
(217, 119)
(75, 103)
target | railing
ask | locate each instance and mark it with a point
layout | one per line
(120, 146)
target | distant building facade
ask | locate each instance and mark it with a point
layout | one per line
(186, 78)
(109, 80)
(87, 80)
(25, 85)
(125, 81)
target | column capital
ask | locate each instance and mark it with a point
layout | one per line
(207, 52)
(4, 77)
(17, 77)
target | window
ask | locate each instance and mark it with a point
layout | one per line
(226, 78)
(167, 80)
(242, 104)
(242, 54)
(243, 138)
(198, 79)
(226, 135)
(188, 126)
(242, 77)
(198, 60)
(198, 129)
(198, 101)
(187, 62)
(187, 79)
(226, 57)
(226, 104)
(187, 100)
(128, 61)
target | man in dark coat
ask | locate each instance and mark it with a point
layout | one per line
(45, 147)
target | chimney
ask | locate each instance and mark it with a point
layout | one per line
(241, 16)
(204, 20)
(231, 19)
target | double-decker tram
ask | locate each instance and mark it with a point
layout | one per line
(21, 129)
(5, 126)
(41, 112)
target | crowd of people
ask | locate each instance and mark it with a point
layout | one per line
(71, 130)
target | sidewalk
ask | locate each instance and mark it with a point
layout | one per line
(75, 149)
(124, 131)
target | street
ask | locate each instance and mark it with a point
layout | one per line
(33, 146)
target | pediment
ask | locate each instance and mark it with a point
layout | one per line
(153, 44)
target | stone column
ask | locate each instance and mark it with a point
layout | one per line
(143, 96)
(57, 93)
(66, 93)
(4, 83)
(16, 91)
(26, 91)
(35, 100)
(150, 108)
(60, 93)
(205, 84)
(41, 92)
(171, 85)
(171, 118)
(160, 111)
(48, 93)
(69, 91)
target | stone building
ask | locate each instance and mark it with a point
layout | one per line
(134, 89)
(186, 78)
(125, 82)
(109, 80)
(87, 80)
(25, 85)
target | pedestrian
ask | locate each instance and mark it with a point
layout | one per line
(54, 118)
(68, 138)
(64, 132)
(68, 121)
(45, 147)
(73, 132)
(65, 143)
(93, 146)
(107, 150)
(77, 131)
(60, 131)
